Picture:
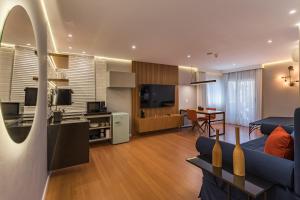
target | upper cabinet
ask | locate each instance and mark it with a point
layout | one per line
(120, 79)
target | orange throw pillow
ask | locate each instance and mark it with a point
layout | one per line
(280, 144)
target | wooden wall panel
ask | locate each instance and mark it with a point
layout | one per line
(150, 73)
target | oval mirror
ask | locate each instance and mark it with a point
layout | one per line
(18, 67)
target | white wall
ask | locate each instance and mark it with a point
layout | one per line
(117, 99)
(23, 167)
(187, 97)
(187, 92)
(279, 99)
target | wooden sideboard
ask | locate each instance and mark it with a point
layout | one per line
(157, 123)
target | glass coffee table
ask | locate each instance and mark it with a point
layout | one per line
(250, 185)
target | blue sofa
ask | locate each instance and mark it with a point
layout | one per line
(285, 174)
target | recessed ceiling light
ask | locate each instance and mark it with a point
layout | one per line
(270, 41)
(133, 47)
(70, 35)
(188, 56)
(70, 47)
(28, 44)
(83, 52)
(292, 12)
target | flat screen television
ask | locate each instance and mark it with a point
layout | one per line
(10, 109)
(155, 96)
(62, 97)
(30, 96)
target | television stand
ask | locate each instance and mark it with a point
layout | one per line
(158, 123)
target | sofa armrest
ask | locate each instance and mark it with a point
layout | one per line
(270, 168)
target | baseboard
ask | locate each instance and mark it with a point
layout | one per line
(46, 186)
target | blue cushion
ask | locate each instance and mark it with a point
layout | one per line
(274, 169)
(257, 144)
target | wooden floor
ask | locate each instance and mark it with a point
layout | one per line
(148, 167)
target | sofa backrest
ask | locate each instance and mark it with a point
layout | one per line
(297, 151)
(267, 129)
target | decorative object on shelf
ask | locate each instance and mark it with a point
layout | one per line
(217, 171)
(94, 125)
(107, 133)
(288, 79)
(142, 114)
(238, 156)
(239, 180)
(217, 152)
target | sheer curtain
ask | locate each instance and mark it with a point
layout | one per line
(214, 91)
(243, 96)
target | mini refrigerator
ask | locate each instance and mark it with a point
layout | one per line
(120, 127)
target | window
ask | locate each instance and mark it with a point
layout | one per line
(243, 98)
(214, 91)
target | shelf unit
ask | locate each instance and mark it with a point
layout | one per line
(100, 127)
(103, 132)
(35, 78)
(99, 140)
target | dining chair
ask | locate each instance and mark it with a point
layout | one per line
(192, 116)
(212, 117)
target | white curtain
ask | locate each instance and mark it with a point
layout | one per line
(214, 91)
(243, 96)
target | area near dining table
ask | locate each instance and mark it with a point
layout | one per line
(209, 114)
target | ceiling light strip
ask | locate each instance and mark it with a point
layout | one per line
(113, 59)
(8, 45)
(276, 62)
(49, 26)
(188, 68)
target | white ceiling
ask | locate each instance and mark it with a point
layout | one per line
(166, 31)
